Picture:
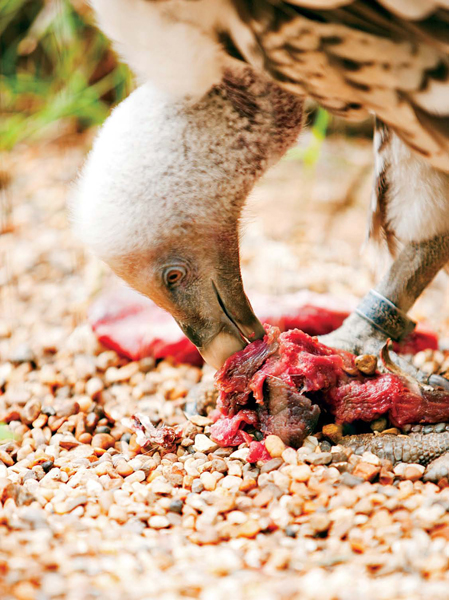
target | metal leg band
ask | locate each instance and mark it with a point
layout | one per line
(385, 316)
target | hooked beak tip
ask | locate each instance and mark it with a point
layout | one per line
(220, 348)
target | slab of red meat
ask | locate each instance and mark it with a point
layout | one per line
(135, 327)
(287, 378)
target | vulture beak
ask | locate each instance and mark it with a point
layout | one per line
(228, 324)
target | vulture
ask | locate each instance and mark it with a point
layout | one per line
(222, 87)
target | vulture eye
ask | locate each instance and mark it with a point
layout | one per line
(174, 275)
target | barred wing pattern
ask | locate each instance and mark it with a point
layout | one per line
(390, 58)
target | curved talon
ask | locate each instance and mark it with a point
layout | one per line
(425, 382)
(395, 368)
(388, 362)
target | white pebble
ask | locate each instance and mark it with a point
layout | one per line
(158, 522)
(204, 443)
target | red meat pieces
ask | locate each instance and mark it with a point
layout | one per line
(230, 432)
(286, 379)
(135, 327)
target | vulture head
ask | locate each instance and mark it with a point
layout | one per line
(162, 191)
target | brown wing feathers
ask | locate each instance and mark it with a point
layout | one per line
(359, 56)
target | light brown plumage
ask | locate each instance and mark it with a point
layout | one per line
(389, 58)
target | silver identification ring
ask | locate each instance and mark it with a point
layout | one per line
(385, 316)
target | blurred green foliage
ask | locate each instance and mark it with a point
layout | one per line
(319, 129)
(5, 433)
(57, 70)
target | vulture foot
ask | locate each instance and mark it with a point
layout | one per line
(361, 336)
(429, 447)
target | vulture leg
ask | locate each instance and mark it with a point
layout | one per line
(382, 313)
(411, 208)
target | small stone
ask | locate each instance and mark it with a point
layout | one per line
(12, 414)
(56, 422)
(91, 421)
(325, 446)
(204, 443)
(67, 408)
(23, 353)
(350, 480)
(31, 411)
(106, 500)
(160, 486)
(301, 473)
(107, 359)
(271, 465)
(274, 445)
(176, 506)
(291, 531)
(333, 432)
(138, 476)
(379, 425)
(219, 465)
(399, 469)
(366, 363)
(124, 469)
(391, 431)
(47, 465)
(38, 437)
(319, 522)
(371, 458)
(433, 565)
(146, 364)
(197, 486)
(94, 387)
(208, 480)
(366, 471)
(200, 421)
(85, 403)
(241, 454)
(311, 442)
(85, 438)
(24, 590)
(103, 429)
(338, 455)
(231, 481)
(6, 459)
(40, 422)
(118, 513)
(103, 440)
(289, 456)
(318, 458)
(249, 529)
(386, 477)
(62, 508)
(158, 522)
(68, 442)
(117, 375)
(414, 472)
(248, 484)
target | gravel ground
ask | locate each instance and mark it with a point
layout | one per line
(85, 514)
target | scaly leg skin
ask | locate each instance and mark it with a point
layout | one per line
(428, 449)
(382, 314)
